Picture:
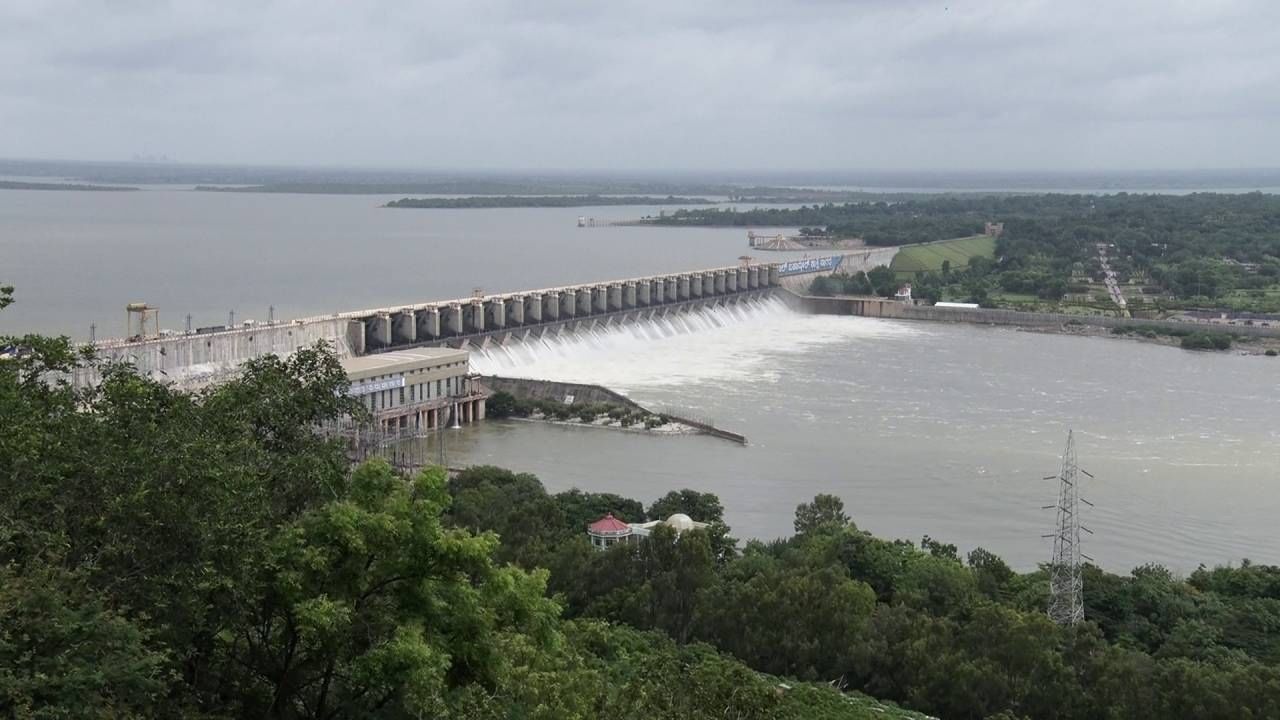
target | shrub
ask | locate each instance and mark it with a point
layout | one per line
(1206, 341)
(501, 404)
(1271, 353)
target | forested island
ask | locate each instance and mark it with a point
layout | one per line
(691, 193)
(211, 555)
(25, 185)
(543, 201)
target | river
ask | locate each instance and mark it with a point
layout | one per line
(926, 428)
(922, 428)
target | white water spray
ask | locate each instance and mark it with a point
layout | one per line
(744, 342)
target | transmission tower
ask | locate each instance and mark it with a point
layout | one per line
(1066, 586)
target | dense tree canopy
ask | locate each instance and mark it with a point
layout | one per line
(951, 637)
(210, 555)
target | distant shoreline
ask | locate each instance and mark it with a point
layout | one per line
(542, 201)
(23, 185)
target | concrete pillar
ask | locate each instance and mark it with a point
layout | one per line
(740, 280)
(644, 293)
(551, 305)
(495, 315)
(753, 277)
(708, 284)
(568, 304)
(682, 283)
(584, 301)
(731, 281)
(355, 336)
(773, 276)
(614, 298)
(428, 323)
(670, 290)
(532, 308)
(629, 296)
(379, 334)
(453, 319)
(475, 316)
(404, 330)
(721, 282)
(600, 299)
(480, 408)
(515, 310)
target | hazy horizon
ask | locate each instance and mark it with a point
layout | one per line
(655, 87)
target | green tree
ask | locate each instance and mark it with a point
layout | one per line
(501, 404)
(64, 653)
(515, 506)
(703, 507)
(824, 512)
(351, 606)
(884, 282)
(784, 618)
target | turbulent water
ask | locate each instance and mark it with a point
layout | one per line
(922, 428)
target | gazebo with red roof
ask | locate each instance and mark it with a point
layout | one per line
(608, 531)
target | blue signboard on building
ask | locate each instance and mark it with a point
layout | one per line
(811, 265)
(377, 386)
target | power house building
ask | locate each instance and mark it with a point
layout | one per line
(418, 389)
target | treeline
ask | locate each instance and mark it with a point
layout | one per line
(541, 201)
(209, 556)
(876, 223)
(537, 186)
(956, 637)
(24, 185)
(1198, 247)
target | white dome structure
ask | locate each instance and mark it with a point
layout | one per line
(681, 522)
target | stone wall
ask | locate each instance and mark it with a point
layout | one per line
(550, 390)
(875, 307)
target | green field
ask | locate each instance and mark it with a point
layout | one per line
(929, 258)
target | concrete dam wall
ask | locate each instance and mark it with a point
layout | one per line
(196, 359)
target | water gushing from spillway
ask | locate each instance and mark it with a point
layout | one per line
(730, 343)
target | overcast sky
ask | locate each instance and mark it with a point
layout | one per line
(615, 84)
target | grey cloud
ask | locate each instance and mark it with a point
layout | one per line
(630, 84)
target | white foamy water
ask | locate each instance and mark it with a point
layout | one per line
(742, 342)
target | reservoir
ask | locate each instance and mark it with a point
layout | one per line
(922, 428)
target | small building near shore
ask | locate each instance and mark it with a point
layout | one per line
(903, 294)
(418, 389)
(609, 530)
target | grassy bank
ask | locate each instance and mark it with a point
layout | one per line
(930, 257)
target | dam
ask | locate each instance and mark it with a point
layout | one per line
(206, 356)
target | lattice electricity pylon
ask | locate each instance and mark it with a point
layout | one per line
(1066, 586)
